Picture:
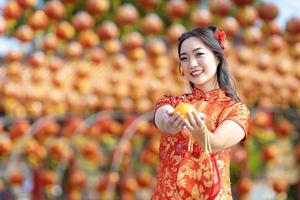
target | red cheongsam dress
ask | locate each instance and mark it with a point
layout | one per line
(218, 107)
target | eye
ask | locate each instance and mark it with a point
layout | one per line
(183, 58)
(199, 54)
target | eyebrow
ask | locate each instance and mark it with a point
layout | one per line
(193, 51)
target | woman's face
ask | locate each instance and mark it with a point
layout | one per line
(199, 64)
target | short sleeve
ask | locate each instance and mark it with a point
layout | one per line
(239, 113)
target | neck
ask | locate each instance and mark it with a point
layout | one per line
(209, 86)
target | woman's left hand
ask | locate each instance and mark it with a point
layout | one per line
(195, 124)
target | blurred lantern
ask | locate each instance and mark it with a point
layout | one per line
(64, 30)
(220, 7)
(14, 56)
(48, 178)
(38, 20)
(239, 154)
(24, 33)
(12, 10)
(267, 11)
(111, 177)
(243, 186)
(270, 27)
(37, 59)
(269, 153)
(77, 180)
(18, 128)
(244, 54)
(264, 61)
(107, 30)
(280, 185)
(91, 152)
(151, 24)
(55, 63)
(283, 66)
(174, 32)
(126, 105)
(14, 71)
(130, 185)
(121, 91)
(283, 128)
(144, 179)
(73, 50)
(243, 2)
(82, 21)
(118, 62)
(3, 25)
(201, 18)
(295, 51)
(50, 42)
(133, 40)
(5, 146)
(293, 25)
(246, 16)
(97, 7)
(97, 55)
(143, 105)
(252, 36)
(136, 53)
(262, 119)
(112, 46)
(148, 4)
(156, 48)
(54, 9)
(16, 177)
(126, 15)
(276, 43)
(176, 9)
(27, 3)
(88, 38)
(70, 1)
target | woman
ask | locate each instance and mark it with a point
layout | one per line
(219, 112)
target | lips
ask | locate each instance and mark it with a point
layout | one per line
(196, 72)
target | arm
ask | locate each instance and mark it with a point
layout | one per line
(168, 121)
(226, 135)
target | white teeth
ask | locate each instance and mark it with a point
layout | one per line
(196, 73)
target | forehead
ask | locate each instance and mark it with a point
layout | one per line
(191, 43)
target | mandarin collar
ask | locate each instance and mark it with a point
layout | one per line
(216, 94)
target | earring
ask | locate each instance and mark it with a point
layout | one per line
(180, 71)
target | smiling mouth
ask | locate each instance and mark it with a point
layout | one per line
(196, 73)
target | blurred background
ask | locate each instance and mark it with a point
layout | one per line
(80, 78)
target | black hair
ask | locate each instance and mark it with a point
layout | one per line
(207, 36)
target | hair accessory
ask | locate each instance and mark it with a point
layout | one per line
(220, 36)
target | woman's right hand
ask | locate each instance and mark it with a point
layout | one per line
(174, 122)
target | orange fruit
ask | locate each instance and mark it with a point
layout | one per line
(184, 108)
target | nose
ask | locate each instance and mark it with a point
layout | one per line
(193, 62)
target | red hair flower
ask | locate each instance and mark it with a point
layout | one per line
(220, 36)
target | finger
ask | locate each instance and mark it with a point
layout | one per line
(185, 128)
(197, 118)
(177, 121)
(175, 117)
(169, 112)
(188, 125)
(181, 124)
(202, 115)
(192, 119)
